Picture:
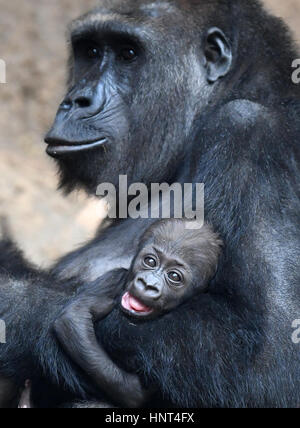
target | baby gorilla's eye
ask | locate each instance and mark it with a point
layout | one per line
(175, 277)
(150, 262)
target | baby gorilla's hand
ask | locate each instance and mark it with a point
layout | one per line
(100, 296)
(92, 303)
(95, 300)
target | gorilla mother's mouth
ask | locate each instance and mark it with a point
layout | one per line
(134, 306)
(57, 148)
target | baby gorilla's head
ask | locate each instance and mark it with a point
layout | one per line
(172, 265)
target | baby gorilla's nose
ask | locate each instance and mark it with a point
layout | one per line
(148, 285)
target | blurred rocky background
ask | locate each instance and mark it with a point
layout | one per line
(32, 42)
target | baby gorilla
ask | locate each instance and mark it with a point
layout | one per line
(173, 264)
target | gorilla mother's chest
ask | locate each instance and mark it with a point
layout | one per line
(115, 248)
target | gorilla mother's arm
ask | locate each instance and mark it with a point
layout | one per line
(30, 302)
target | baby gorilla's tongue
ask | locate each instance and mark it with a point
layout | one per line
(132, 304)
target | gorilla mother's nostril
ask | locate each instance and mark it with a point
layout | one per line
(66, 105)
(83, 102)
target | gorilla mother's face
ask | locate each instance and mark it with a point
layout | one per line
(135, 82)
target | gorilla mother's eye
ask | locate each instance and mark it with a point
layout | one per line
(93, 52)
(175, 277)
(128, 54)
(150, 262)
(86, 51)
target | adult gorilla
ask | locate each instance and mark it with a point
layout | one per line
(182, 91)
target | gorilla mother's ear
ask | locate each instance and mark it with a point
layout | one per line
(218, 54)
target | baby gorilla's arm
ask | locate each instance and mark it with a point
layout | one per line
(75, 330)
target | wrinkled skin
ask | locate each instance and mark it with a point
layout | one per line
(208, 98)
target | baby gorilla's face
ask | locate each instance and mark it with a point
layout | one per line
(158, 283)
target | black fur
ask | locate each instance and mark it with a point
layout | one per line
(231, 347)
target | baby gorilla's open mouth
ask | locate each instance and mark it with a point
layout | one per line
(134, 306)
